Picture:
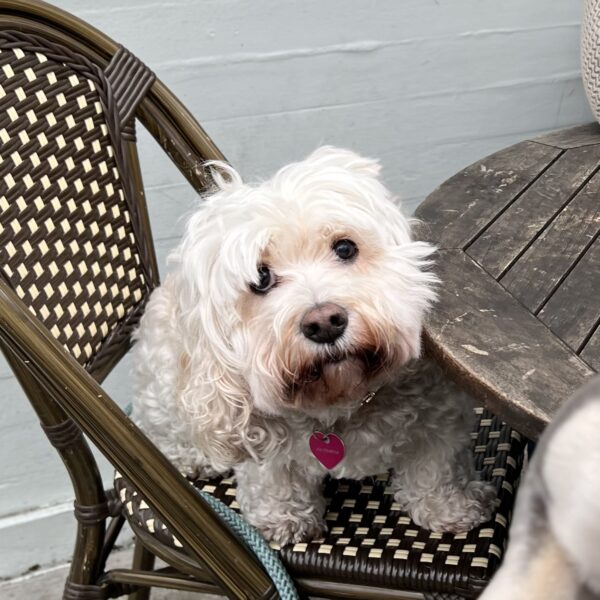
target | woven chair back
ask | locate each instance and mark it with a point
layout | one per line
(72, 242)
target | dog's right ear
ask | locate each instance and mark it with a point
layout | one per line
(208, 274)
(345, 159)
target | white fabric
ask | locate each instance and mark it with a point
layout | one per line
(590, 54)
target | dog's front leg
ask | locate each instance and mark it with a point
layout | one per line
(283, 500)
(439, 488)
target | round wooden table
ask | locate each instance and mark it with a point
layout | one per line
(517, 321)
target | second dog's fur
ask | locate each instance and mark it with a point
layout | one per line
(554, 548)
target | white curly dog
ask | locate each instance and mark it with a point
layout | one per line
(284, 345)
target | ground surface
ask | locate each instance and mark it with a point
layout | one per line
(48, 584)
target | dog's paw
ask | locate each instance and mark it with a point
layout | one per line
(474, 505)
(293, 531)
(457, 511)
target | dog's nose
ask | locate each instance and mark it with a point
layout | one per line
(324, 323)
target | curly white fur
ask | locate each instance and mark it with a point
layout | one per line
(226, 379)
(554, 547)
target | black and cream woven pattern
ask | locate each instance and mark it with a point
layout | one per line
(68, 245)
(371, 541)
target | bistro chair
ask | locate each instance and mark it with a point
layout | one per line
(77, 267)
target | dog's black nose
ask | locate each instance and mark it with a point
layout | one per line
(324, 323)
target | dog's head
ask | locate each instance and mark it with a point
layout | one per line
(307, 290)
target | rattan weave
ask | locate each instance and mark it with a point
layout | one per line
(370, 541)
(68, 241)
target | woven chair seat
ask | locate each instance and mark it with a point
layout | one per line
(370, 541)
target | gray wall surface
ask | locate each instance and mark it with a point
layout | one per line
(427, 86)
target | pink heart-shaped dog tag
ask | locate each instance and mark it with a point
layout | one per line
(328, 449)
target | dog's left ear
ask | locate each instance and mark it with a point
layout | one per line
(345, 159)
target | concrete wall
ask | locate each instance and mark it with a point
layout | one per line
(428, 86)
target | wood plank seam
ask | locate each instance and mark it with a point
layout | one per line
(567, 237)
(471, 241)
(591, 352)
(562, 279)
(574, 137)
(596, 325)
(588, 336)
(546, 144)
(542, 143)
(502, 244)
(546, 225)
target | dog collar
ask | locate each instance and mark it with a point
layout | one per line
(369, 397)
(328, 448)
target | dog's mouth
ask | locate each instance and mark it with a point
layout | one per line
(369, 360)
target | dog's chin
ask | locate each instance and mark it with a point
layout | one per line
(336, 379)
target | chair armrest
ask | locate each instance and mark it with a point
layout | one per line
(180, 135)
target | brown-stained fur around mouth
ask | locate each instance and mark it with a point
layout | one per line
(373, 361)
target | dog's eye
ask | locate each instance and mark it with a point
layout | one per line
(345, 249)
(266, 280)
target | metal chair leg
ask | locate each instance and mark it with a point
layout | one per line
(143, 560)
(91, 508)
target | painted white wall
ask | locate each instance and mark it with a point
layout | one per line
(428, 86)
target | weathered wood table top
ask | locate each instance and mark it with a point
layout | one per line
(519, 305)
